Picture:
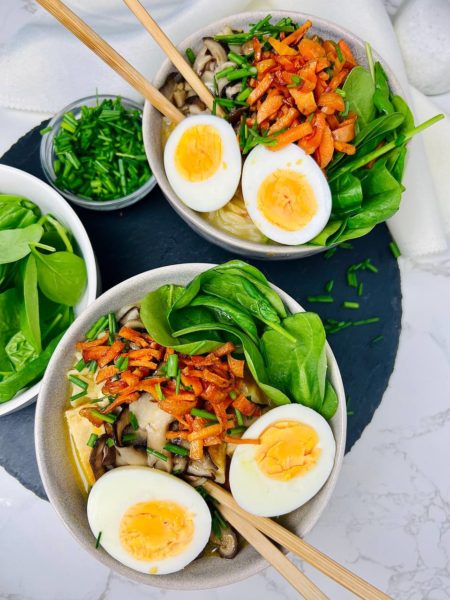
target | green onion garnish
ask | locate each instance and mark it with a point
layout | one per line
(360, 289)
(78, 382)
(233, 395)
(80, 365)
(133, 421)
(97, 541)
(175, 449)
(92, 366)
(366, 321)
(123, 364)
(377, 339)
(172, 365)
(190, 55)
(242, 96)
(329, 253)
(157, 454)
(329, 286)
(97, 327)
(204, 414)
(394, 249)
(371, 267)
(129, 437)
(239, 417)
(240, 73)
(79, 395)
(178, 382)
(320, 298)
(236, 430)
(109, 418)
(348, 304)
(159, 391)
(92, 440)
(45, 130)
(238, 59)
(112, 323)
(224, 73)
(110, 442)
(352, 280)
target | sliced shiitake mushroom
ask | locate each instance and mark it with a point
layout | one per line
(130, 455)
(103, 457)
(227, 544)
(216, 50)
(202, 468)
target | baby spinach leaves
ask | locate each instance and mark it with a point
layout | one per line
(233, 302)
(359, 90)
(37, 290)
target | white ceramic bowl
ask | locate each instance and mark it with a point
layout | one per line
(15, 181)
(60, 482)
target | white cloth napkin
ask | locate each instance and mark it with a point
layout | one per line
(43, 68)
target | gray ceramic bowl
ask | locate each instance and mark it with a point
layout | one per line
(53, 450)
(151, 123)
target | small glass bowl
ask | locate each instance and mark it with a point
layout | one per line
(47, 157)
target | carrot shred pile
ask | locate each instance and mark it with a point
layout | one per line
(297, 92)
(134, 364)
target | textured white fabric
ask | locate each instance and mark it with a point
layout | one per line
(44, 68)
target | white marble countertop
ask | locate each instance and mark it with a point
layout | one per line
(389, 519)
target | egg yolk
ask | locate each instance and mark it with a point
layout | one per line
(287, 449)
(156, 530)
(286, 199)
(198, 154)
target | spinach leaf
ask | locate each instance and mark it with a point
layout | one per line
(359, 90)
(402, 107)
(330, 402)
(30, 372)
(347, 194)
(255, 361)
(299, 368)
(20, 351)
(227, 313)
(15, 243)
(29, 309)
(382, 195)
(243, 268)
(155, 310)
(9, 323)
(381, 96)
(395, 162)
(379, 126)
(322, 238)
(61, 232)
(17, 212)
(61, 276)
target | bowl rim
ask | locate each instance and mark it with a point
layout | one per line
(56, 493)
(150, 115)
(46, 151)
(29, 395)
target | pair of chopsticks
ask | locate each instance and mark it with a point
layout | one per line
(123, 68)
(257, 530)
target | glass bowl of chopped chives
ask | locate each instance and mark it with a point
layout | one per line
(92, 152)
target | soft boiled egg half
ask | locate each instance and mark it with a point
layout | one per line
(288, 467)
(202, 161)
(148, 520)
(286, 194)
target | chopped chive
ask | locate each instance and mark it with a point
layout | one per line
(340, 92)
(97, 541)
(129, 437)
(394, 249)
(242, 96)
(370, 266)
(239, 417)
(329, 286)
(178, 382)
(133, 421)
(360, 289)
(78, 382)
(96, 328)
(238, 59)
(236, 430)
(240, 73)
(112, 323)
(190, 55)
(109, 418)
(92, 440)
(45, 130)
(124, 364)
(80, 365)
(172, 365)
(159, 391)
(352, 280)
(366, 321)
(224, 73)
(348, 304)
(377, 339)
(110, 442)
(175, 449)
(79, 395)
(157, 454)
(92, 366)
(119, 361)
(204, 414)
(321, 298)
(233, 395)
(329, 253)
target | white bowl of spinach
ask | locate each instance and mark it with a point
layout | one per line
(48, 276)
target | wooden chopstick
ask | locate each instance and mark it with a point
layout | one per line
(275, 557)
(112, 58)
(173, 54)
(302, 549)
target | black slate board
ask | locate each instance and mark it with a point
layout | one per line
(150, 234)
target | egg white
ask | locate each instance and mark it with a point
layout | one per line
(260, 163)
(119, 489)
(212, 193)
(267, 497)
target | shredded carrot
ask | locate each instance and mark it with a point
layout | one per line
(106, 373)
(205, 432)
(260, 89)
(236, 366)
(292, 135)
(281, 47)
(304, 101)
(311, 49)
(212, 441)
(174, 435)
(235, 440)
(122, 399)
(87, 414)
(295, 36)
(145, 353)
(245, 406)
(137, 362)
(344, 147)
(133, 336)
(111, 354)
(94, 353)
(193, 382)
(268, 108)
(324, 152)
(344, 133)
(92, 343)
(225, 349)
